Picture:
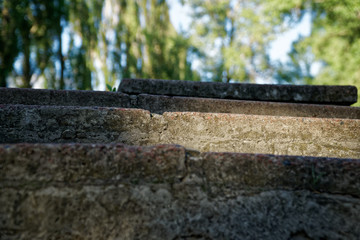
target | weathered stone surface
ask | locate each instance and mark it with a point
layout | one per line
(263, 134)
(87, 191)
(113, 191)
(201, 131)
(60, 124)
(64, 97)
(160, 104)
(337, 95)
(113, 163)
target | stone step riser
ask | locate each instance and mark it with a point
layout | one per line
(200, 131)
(160, 104)
(169, 192)
(91, 164)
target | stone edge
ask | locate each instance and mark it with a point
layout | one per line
(160, 104)
(312, 94)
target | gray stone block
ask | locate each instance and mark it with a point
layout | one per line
(28, 96)
(202, 131)
(112, 191)
(160, 103)
(337, 95)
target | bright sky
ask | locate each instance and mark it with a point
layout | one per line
(179, 15)
(282, 45)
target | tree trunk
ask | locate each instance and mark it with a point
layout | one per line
(3, 82)
(26, 78)
(61, 58)
(127, 73)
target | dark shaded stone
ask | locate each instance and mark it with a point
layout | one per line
(96, 191)
(328, 137)
(118, 163)
(63, 97)
(336, 95)
(160, 103)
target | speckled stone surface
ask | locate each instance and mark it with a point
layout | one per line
(337, 95)
(28, 96)
(201, 131)
(88, 186)
(113, 191)
(160, 103)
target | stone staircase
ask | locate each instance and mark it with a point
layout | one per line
(241, 161)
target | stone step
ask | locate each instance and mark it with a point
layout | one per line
(337, 95)
(103, 191)
(201, 131)
(160, 104)
(28, 96)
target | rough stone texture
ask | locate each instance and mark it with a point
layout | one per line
(59, 124)
(114, 191)
(160, 104)
(337, 95)
(263, 134)
(64, 97)
(201, 131)
(87, 191)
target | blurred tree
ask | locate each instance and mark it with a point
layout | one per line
(9, 48)
(240, 30)
(85, 18)
(166, 51)
(107, 39)
(334, 39)
(112, 39)
(298, 69)
(145, 43)
(29, 28)
(51, 16)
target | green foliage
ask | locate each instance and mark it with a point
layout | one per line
(108, 39)
(29, 29)
(298, 69)
(9, 48)
(241, 32)
(334, 41)
(114, 39)
(111, 89)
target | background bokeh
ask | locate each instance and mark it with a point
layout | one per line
(88, 44)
